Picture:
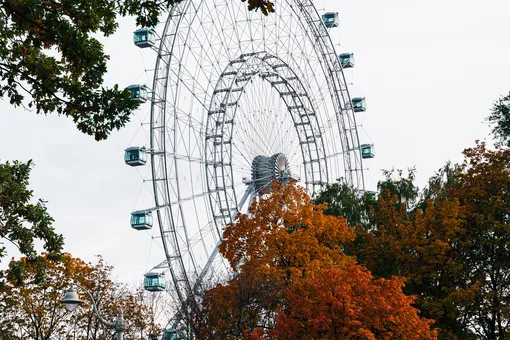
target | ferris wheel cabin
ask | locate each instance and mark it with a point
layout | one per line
(367, 151)
(359, 104)
(139, 93)
(330, 19)
(172, 334)
(346, 60)
(154, 282)
(144, 37)
(135, 156)
(141, 220)
(372, 194)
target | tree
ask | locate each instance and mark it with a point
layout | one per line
(418, 236)
(483, 193)
(50, 59)
(245, 306)
(22, 222)
(499, 118)
(344, 200)
(451, 245)
(348, 304)
(401, 187)
(158, 310)
(285, 232)
(440, 184)
(34, 309)
(281, 251)
(424, 247)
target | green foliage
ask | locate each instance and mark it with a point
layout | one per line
(51, 60)
(402, 187)
(440, 185)
(22, 222)
(346, 201)
(499, 118)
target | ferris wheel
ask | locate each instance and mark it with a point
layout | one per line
(238, 99)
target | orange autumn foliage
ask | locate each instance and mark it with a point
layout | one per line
(285, 233)
(348, 304)
(293, 280)
(243, 308)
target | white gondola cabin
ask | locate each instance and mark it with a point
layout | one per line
(367, 151)
(139, 93)
(359, 104)
(141, 220)
(154, 282)
(330, 19)
(144, 37)
(135, 156)
(346, 60)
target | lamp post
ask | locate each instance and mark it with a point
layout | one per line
(71, 300)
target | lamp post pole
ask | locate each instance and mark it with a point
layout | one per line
(71, 300)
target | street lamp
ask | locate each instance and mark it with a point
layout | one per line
(71, 300)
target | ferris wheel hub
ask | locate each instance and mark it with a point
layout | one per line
(265, 169)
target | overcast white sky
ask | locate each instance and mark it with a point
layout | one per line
(430, 72)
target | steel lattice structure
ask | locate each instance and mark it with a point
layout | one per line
(238, 97)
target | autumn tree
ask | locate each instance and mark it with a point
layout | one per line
(424, 247)
(23, 221)
(34, 310)
(483, 191)
(449, 241)
(285, 232)
(52, 61)
(283, 247)
(349, 304)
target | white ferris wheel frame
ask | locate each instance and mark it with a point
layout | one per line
(187, 272)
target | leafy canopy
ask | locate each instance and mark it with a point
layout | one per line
(484, 196)
(21, 221)
(343, 200)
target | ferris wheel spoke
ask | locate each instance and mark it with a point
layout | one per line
(192, 91)
(241, 170)
(249, 192)
(243, 154)
(195, 196)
